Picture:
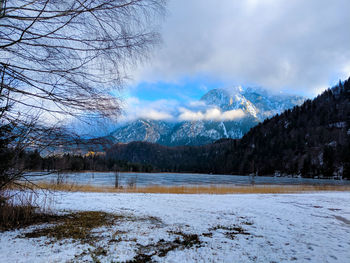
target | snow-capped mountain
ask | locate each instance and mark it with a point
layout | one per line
(255, 104)
(253, 101)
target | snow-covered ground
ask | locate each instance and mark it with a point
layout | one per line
(231, 228)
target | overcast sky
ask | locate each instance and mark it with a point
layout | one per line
(293, 46)
(301, 46)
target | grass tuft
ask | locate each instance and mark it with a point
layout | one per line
(22, 209)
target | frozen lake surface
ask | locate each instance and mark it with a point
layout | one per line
(174, 179)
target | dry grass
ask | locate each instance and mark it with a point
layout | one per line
(212, 189)
(22, 208)
(77, 226)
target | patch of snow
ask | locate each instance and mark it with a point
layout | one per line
(332, 144)
(286, 124)
(320, 158)
(341, 124)
(235, 134)
(224, 128)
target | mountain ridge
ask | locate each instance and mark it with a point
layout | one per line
(254, 104)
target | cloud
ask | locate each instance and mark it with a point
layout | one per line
(296, 45)
(197, 103)
(214, 114)
(346, 70)
(155, 115)
(174, 111)
(135, 108)
(233, 114)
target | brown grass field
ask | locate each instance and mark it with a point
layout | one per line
(211, 189)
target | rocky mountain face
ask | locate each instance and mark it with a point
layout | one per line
(142, 130)
(256, 105)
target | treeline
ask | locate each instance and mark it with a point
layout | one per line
(33, 161)
(309, 140)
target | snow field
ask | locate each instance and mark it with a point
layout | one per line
(311, 227)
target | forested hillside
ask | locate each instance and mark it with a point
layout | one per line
(311, 139)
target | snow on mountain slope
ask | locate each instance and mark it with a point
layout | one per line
(142, 130)
(256, 104)
(254, 101)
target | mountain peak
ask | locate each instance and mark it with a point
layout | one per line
(255, 103)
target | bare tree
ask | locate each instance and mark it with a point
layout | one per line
(65, 57)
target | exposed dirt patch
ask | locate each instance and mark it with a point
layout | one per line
(334, 209)
(92, 227)
(230, 231)
(76, 226)
(162, 247)
(207, 234)
(342, 219)
(80, 225)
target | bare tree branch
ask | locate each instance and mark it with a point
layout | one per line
(62, 58)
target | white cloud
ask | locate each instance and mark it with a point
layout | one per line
(188, 115)
(233, 114)
(155, 115)
(346, 71)
(294, 45)
(172, 110)
(135, 108)
(214, 114)
(197, 103)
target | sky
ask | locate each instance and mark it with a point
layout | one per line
(297, 47)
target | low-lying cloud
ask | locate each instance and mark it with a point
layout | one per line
(155, 115)
(174, 111)
(214, 114)
(160, 110)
